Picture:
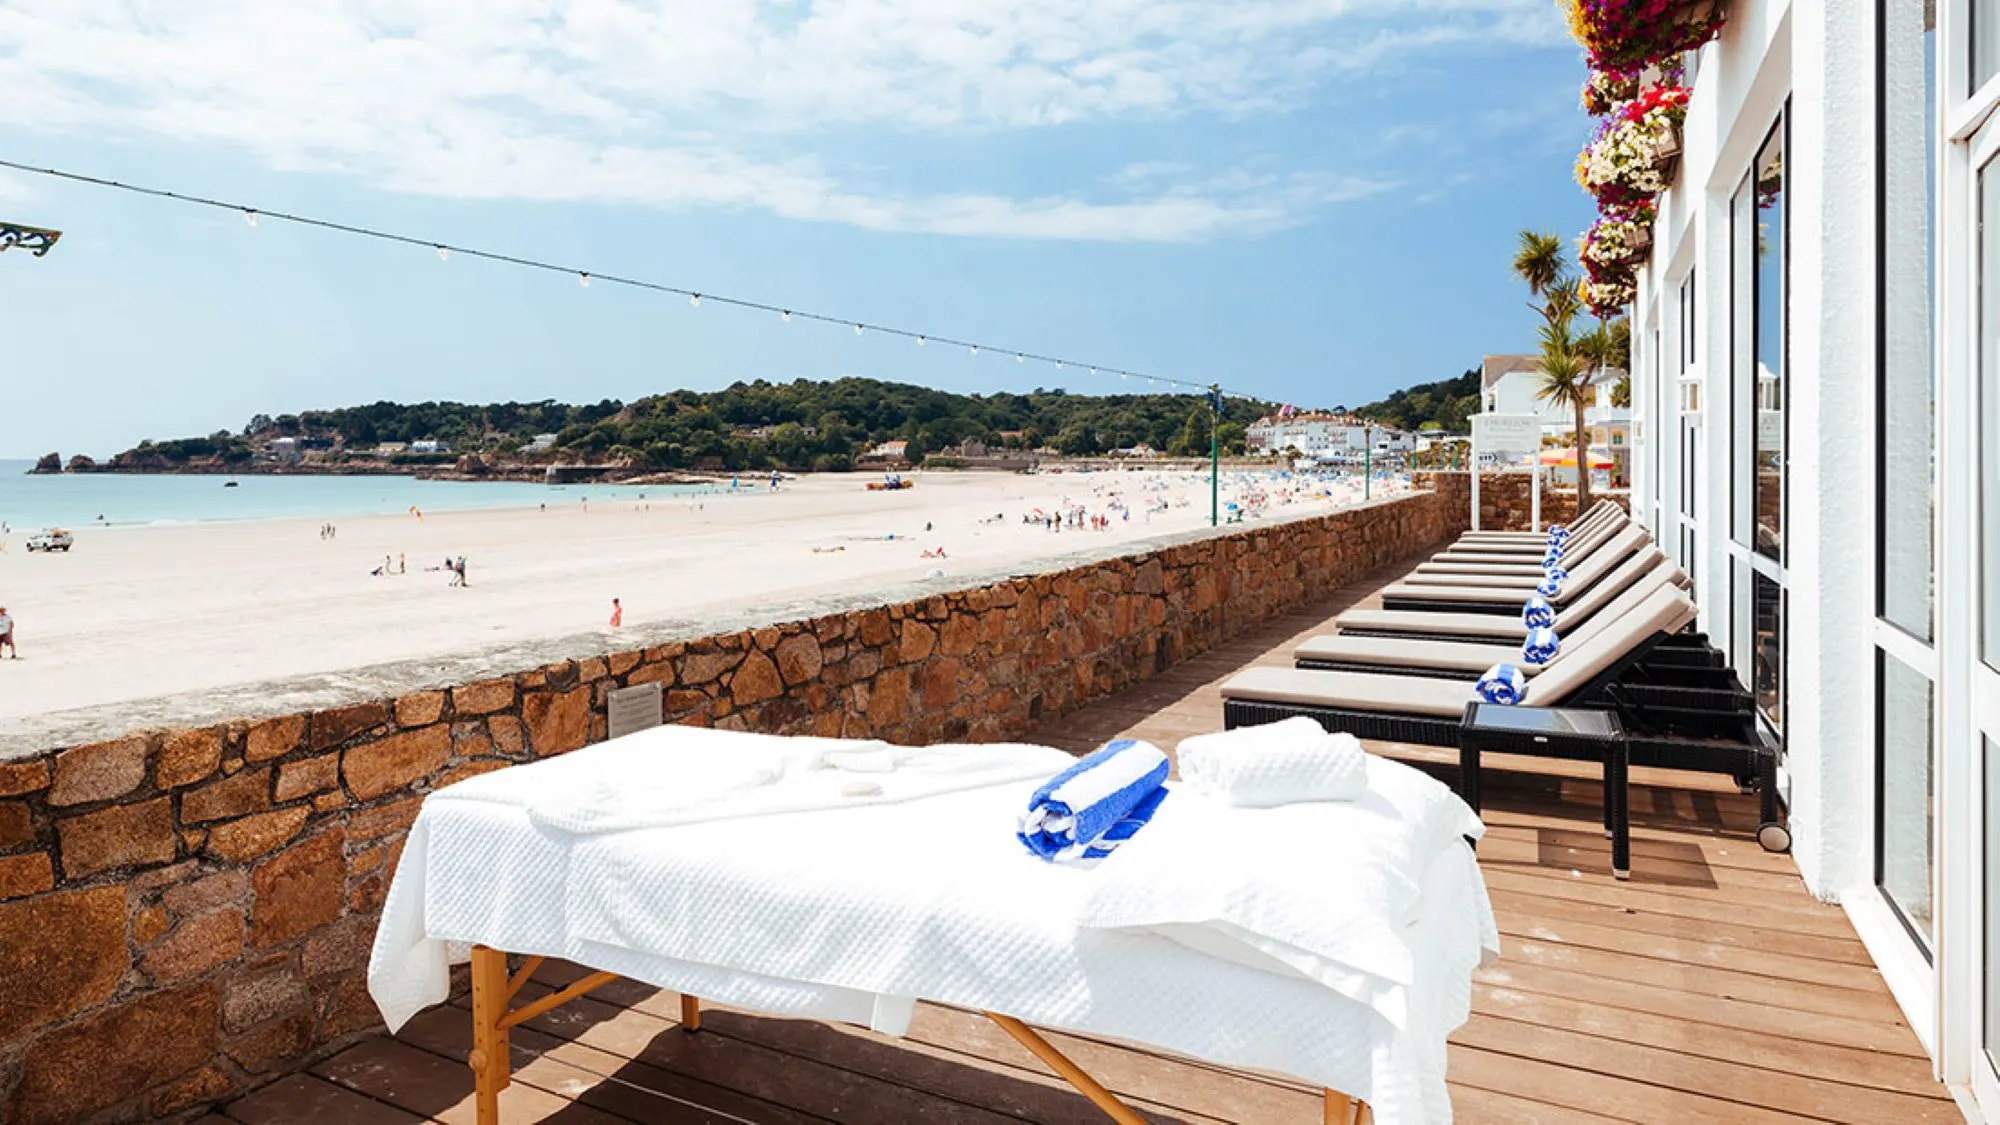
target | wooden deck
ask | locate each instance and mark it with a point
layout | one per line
(1711, 987)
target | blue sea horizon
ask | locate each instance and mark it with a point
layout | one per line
(31, 502)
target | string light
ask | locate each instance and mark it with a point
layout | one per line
(252, 215)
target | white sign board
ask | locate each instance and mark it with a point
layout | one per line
(1498, 441)
(1509, 435)
(634, 708)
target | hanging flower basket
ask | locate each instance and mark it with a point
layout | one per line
(1631, 34)
(1607, 298)
(1619, 239)
(1605, 90)
(1633, 156)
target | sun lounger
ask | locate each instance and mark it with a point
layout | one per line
(853, 910)
(1487, 628)
(1466, 660)
(1669, 726)
(1449, 572)
(1504, 594)
(1425, 709)
(1478, 555)
(1602, 510)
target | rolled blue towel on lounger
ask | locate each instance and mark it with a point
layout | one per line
(1552, 581)
(1537, 613)
(1503, 684)
(1087, 810)
(1553, 558)
(1558, 533)
(1541, 645)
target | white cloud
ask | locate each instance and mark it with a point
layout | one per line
(729, 103)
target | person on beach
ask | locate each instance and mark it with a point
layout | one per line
(402, 563)
(7, 633)
(617, 614)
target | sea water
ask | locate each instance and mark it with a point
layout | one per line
(31, 502)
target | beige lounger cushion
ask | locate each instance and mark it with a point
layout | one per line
(1410, 652)
(1352, 691)
(1481, 588)
(1665, 609)
(1477, 656)
(1503, 627)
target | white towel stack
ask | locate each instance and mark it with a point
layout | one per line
(1275, 764)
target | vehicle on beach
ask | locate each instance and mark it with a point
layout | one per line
(893, 484)
(53, 539)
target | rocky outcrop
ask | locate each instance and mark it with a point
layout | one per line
(82, 463)
(49, 463)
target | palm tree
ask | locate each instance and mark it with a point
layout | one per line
(1539, 261)
(1566, 375)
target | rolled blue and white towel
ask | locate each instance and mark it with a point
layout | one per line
(1549, 587)
(1503, 684)
(1087, 810)
(1537, 613)
(1554, 556)
(1541, 646)
(1558, 533)
(1273, 764)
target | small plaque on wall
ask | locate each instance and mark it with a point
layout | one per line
(634, 708)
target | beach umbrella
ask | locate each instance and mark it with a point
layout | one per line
(1565, 457)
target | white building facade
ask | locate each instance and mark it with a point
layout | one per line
(1512, 384)
(1816, 400)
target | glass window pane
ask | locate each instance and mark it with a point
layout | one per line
(1909, 375)
(1743, 224)
(1985, 41)
(1992, 974)
(1767, 649)
(1989, 396)
(1768, 393)
(1907, 798)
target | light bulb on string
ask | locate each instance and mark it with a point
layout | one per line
(857, 330)
(1059, 365)
(1093, 371)
(694, 300)
(787, 314)
(249, 217)
(920, 341)
(583, 279)
(1019, 358)
(975, 349)
(444, 253)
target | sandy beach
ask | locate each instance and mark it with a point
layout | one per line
(133, 613)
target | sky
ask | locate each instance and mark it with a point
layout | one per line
(1311, 201)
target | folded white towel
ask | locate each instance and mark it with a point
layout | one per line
(1275, 764)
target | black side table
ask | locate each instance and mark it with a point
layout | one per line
(1553, 732)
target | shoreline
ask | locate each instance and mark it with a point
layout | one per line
(166, 610)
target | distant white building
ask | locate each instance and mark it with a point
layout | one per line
(1312, 435)
(390, 448)
(541, 444)
(1512, 384)
(286, 449)
(428, 445)
(1323, 436)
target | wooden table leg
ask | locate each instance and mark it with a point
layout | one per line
(1618, 798)
(690, 1012)
(489, 1059)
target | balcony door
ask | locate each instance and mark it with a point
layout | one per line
(1972, 327)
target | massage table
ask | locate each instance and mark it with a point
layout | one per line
(846, 882)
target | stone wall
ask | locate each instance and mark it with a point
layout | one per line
(1506, 500)
(186, 911)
